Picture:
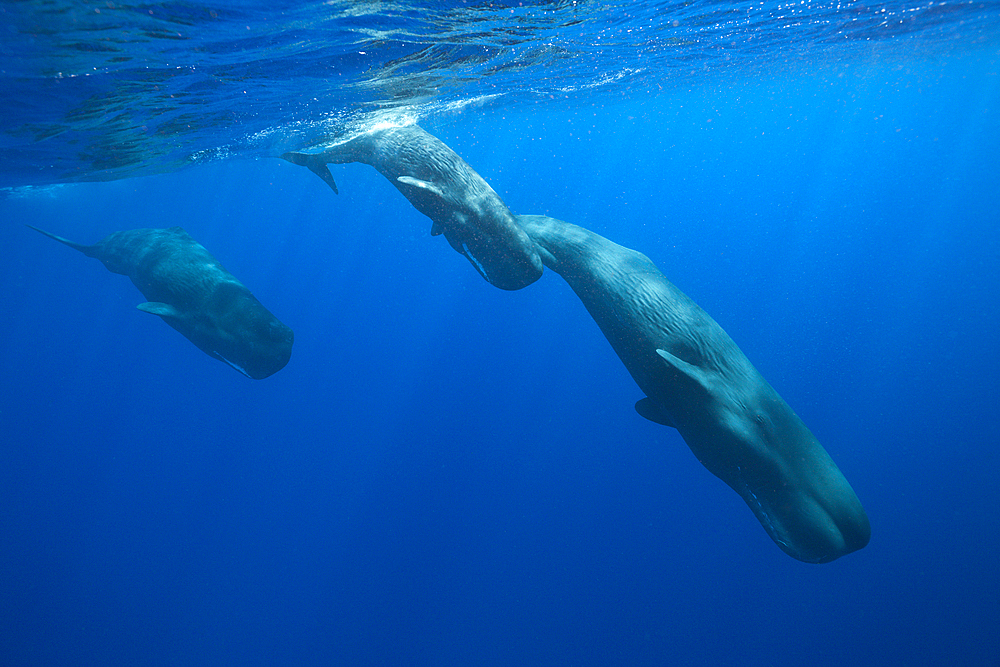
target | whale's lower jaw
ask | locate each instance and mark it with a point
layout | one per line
(476, 263)
(231, 364)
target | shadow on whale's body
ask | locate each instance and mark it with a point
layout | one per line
(194, 294)
(698, 381)
(442, 186)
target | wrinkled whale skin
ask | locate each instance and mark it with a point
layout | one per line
(697, 380)
(441, 185)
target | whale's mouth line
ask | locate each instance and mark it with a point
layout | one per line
(232, 364)
(762, 515)
(475, 262)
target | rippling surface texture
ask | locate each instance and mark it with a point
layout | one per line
(104, 90)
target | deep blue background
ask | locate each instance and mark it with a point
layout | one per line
(450, 474)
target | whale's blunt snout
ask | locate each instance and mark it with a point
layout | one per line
(521, 275)
(791, 484)
(842, 540)
(855, 529)
(817, 530)
(506, 268)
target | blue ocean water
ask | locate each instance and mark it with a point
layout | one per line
(450, 474)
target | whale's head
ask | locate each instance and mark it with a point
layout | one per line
(761, 448)
(234, 327)
(246, 335)
(747, 436)
(501, 252)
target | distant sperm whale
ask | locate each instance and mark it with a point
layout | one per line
(697, 380)
(442, 186)
(194, 294)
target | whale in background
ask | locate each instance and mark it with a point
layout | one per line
(442, 186)
(194, 294)
(698, 381)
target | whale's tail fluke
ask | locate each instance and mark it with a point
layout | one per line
(85, 249)
(316, 164)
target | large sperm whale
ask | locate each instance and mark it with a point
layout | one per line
(442, 186)
(698, 381)
(194, 294)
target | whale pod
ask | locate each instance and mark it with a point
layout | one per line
(698, 381)
(193, 293)
(441, 185)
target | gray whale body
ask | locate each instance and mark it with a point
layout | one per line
(442, 186)
(698, 381)
(194, 294)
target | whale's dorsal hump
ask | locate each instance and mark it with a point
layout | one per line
(649, 409)
(423, 185)
(157, 308)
